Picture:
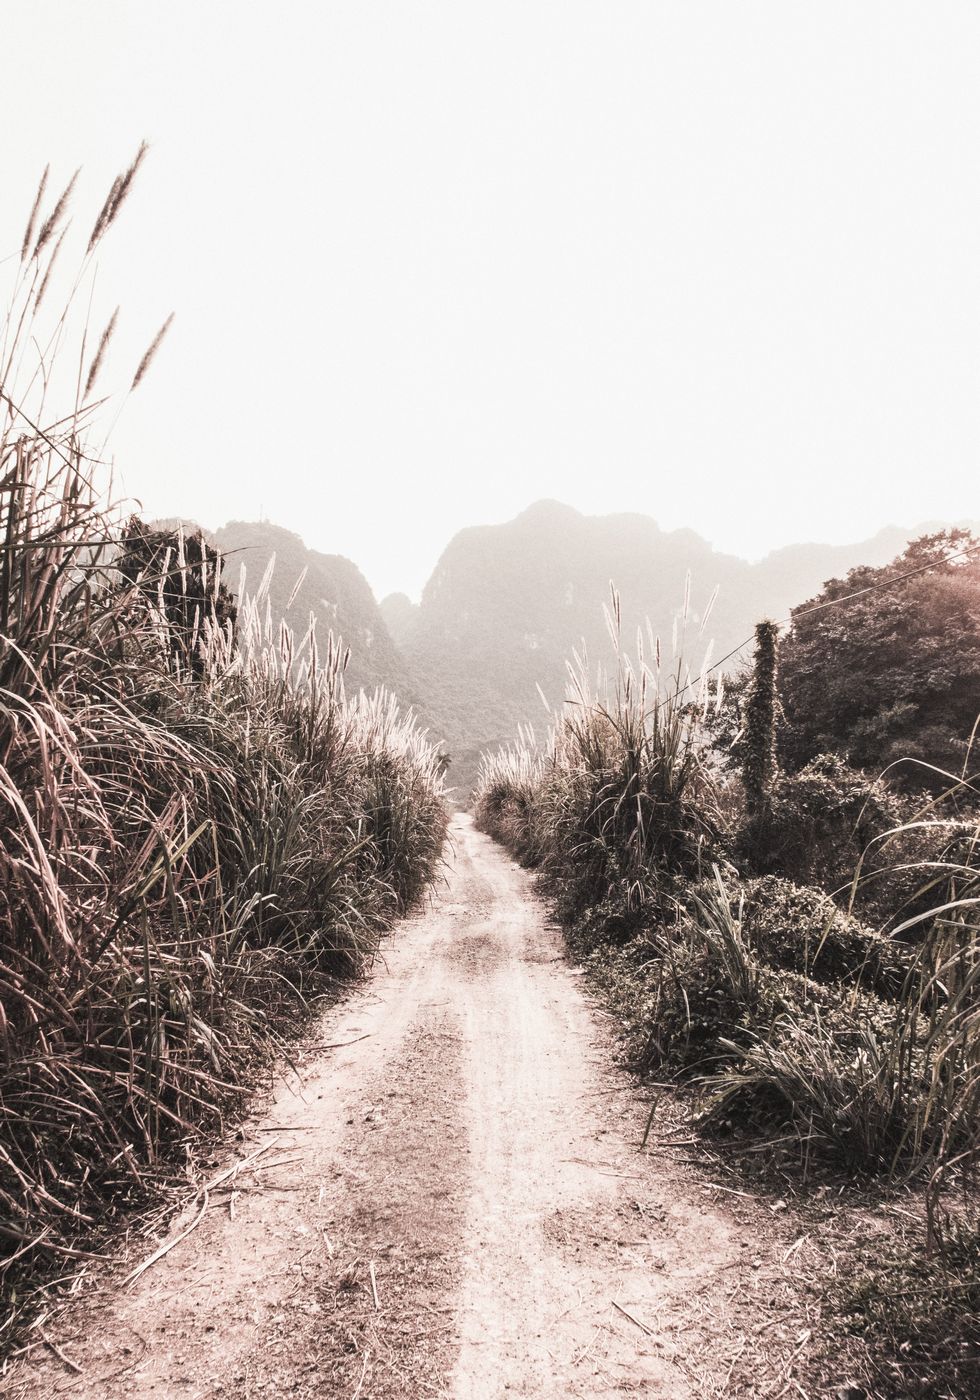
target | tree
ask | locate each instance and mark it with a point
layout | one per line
(761, 709)
(893, 673)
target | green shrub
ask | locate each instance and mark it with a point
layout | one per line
(801, 929)
(820, 820)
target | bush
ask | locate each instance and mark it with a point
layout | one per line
(510, 802)
(621, 803)
(717, 993)
(801, 929)
(822, 819)
(791, 1016)
(894, 673)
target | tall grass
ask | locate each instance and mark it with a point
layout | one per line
(198, 829)
(621, 800)
(906, 1087)
(888, 1084)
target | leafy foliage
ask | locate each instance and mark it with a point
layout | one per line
(892, 675)
(821, 820)
(801, 929)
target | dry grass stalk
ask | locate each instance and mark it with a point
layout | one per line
(54, 218)
(118, 193)
(32, 221)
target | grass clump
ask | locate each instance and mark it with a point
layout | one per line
(620, 804)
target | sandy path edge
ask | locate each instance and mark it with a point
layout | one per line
(453, 1204)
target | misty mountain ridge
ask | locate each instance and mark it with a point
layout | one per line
(506, 605)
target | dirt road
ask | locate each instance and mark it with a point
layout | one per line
(449, 1201)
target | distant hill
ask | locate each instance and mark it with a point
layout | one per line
(507, 604)
(401, 616)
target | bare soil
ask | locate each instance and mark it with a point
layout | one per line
(450, 1201)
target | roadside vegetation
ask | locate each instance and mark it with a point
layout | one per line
(792, 936)
(200, 833)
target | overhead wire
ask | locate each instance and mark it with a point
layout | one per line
(834, 602)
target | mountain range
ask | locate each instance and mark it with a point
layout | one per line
(330, 586)
(507, 604)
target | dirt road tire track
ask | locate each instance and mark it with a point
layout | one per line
(474, 1150)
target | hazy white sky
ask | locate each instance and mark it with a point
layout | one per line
(717, 262)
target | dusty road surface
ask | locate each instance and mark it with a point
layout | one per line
(448, 1201)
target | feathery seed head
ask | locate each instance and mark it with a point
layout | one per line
(29, 231)
(54, 218)
(96, 365)
(147, 359)
(121, 186)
